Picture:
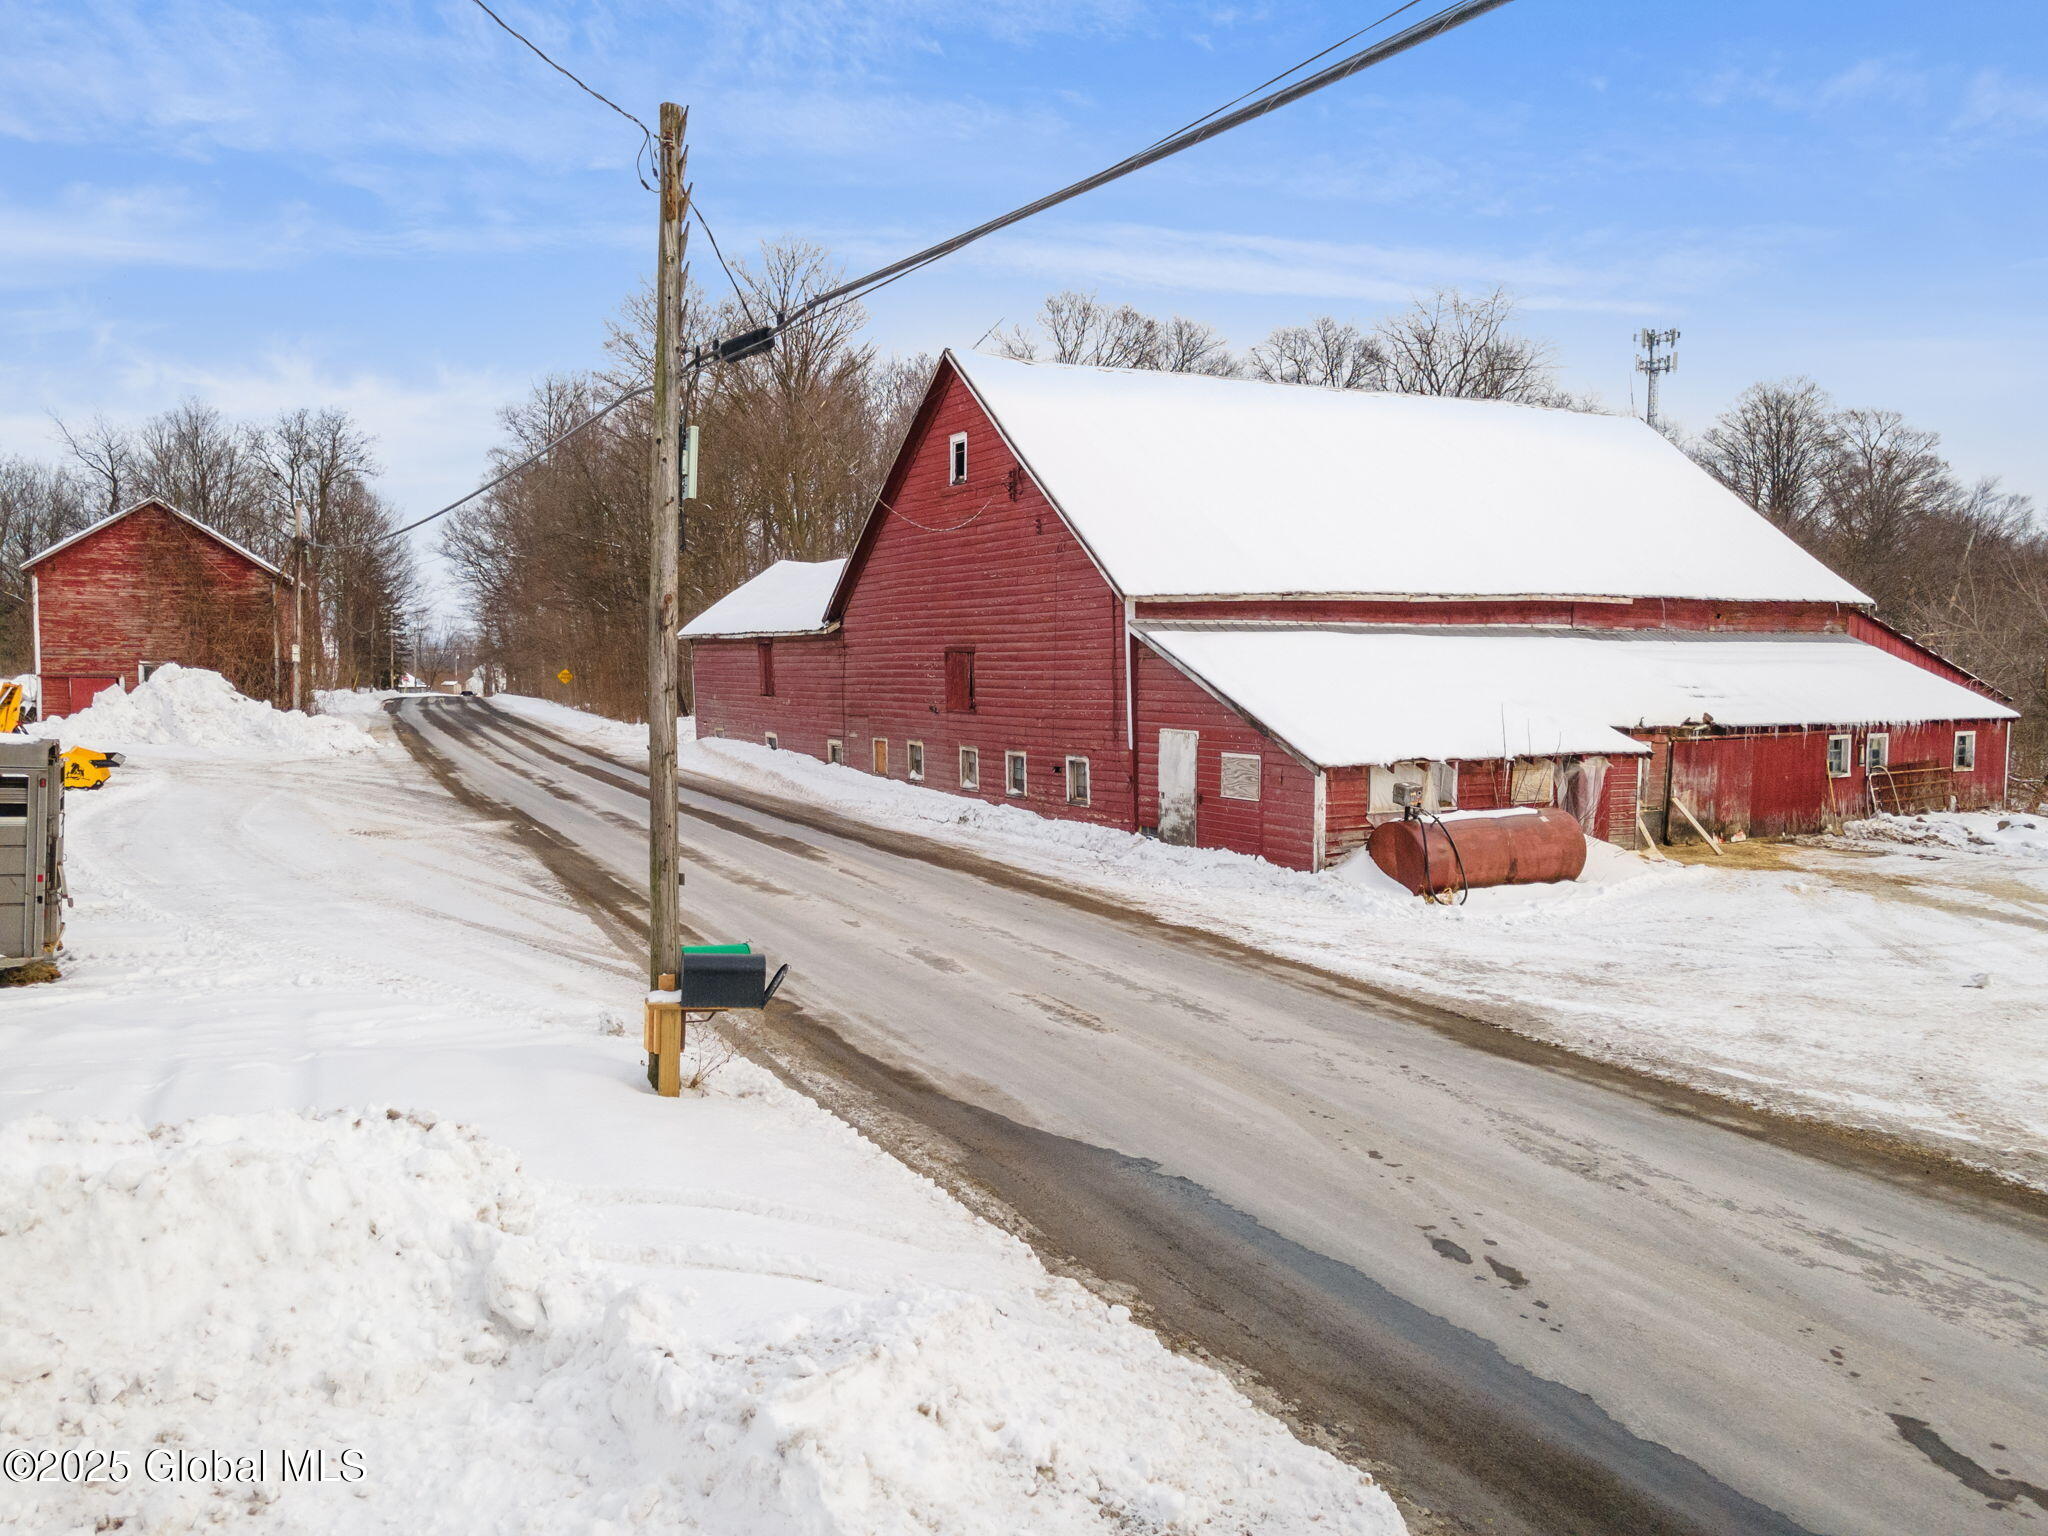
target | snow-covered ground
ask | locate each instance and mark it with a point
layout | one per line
(1891, 980)
(334, 1136)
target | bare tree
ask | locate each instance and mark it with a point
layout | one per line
(207, 467)
(1772, 447)
(1328, 352)
(1449, 344)
(795, 442)
(39, 504)
(1079, 328)
(107, 453)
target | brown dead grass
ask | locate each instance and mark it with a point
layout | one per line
(30, 974)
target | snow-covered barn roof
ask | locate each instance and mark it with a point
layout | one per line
(162, 506)
(1187, 486)
(1342, 696)
(788, 598)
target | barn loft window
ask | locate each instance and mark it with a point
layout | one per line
(773, 741)
(1840, 758)
(882, 756)
(956, 459)
(960, 681)
(1077, 781)
(1877, 751)
(1239, 779)
(970, 767)
(764, 661)
(1966, 751)
(1015, 780)
(913, 759)
(835, 750)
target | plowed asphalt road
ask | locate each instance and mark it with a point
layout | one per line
(1534, 1294)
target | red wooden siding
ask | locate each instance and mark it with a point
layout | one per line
(806, 707)
(1279, 826)
(152, 588)
(1770, 783)
(985, 566)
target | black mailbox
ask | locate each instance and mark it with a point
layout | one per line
(727, 981)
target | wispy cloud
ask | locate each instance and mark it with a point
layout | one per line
(1611, 272)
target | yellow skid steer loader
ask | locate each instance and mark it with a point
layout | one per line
(84, 767)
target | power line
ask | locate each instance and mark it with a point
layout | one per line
(1292, 68)
(646, 139)
(647, 132)
(532, 458)
(1199, 132)
(1454, 15)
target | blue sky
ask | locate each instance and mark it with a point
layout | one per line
(396, 208)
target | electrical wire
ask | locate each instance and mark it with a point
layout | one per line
(1200, 132)
(646, 132)
(1291, 69)
(647, 142)
(531, 459)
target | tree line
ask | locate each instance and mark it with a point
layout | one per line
(244, 480)
(796, 442)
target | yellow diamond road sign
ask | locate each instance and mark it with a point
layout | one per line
(565, 676)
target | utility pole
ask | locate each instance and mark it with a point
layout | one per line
(665, 511)
(1649, 364)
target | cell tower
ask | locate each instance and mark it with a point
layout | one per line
(1650, 364)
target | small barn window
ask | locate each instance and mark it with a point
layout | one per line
(1240, 777)
(1966, 751)
(1016, 778)
(1840, 758)
(882, 756)
(143, 669)
(956, 459)
(1077, 781)
(764, 662)
(913, 759)
(960, 681)
(1877, 750)
(773, 741)
(835, 750)
(970, 767)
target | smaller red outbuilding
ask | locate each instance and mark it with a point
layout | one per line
(146, 586)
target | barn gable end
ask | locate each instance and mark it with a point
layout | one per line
(146, 586)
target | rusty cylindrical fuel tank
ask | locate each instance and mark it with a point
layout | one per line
(1521, 847)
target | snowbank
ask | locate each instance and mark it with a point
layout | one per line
(359, 706)
(380, 1285)
(191, 707)
(2020, 833)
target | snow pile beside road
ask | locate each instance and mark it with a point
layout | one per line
(1986, 831)
(192, 707)
(386, 1286)
(361, 706)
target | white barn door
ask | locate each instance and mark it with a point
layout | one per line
(1177, 787)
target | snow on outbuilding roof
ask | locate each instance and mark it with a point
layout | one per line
(788, 598)
(1186, 486)
(1347, 696)
(162, 506)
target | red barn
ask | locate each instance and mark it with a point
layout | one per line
(1237, 614)
(147, 586)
